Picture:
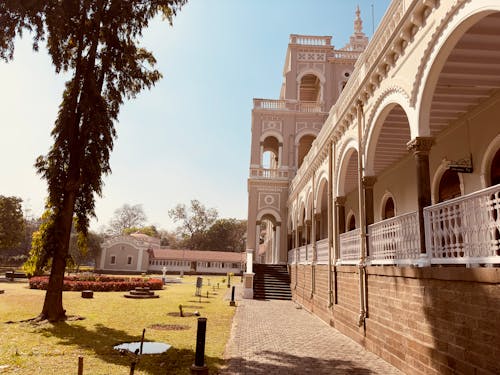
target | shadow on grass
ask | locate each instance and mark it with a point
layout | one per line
(102, 340)
(270, 362)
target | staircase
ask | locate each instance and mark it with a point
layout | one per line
(271, 281)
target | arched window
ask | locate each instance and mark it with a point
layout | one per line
(388, 210)
(495, 169)
(310, 88)
(351, 224)
(449, 186)
(305, 144)
(270, 148)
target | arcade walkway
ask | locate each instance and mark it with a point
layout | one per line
(276, 337)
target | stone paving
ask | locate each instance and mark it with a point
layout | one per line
(277, 337)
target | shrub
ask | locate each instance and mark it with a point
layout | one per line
(98, 283)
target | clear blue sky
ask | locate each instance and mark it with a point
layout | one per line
(188, 137)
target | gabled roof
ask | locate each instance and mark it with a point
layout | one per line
(197, 255)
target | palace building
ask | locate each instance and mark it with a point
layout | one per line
(375, 177)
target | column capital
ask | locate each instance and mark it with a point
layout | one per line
(308, 223)
(369, 181)
(340, 201)
(317, 216)
(258, 222)
(420, 144)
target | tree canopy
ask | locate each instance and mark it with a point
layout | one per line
(194, 222)
(97, 43)
(127, 217)
(11, 222)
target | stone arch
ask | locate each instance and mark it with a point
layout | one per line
(347, 149)
(321, 184)
(271, 133)
(313, 72)
(389, 99)
(451, 28)
(488, 156)
(269, 214)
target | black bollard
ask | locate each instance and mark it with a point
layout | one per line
(199, 359)
(232, 303)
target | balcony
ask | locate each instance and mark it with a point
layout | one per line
(268, 174)
(310, 40)
(464, 230)
(287, 105)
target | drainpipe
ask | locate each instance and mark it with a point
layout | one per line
(362, 219)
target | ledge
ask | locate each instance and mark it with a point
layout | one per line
(481, 275)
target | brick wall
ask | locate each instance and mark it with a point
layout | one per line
(442, 320)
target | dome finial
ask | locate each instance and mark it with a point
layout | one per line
(358, 23)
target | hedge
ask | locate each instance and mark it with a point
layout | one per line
(98, 283)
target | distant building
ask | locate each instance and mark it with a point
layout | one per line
(139, 253)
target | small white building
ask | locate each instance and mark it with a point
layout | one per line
(139, 253)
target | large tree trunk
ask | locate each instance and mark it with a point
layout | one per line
(53, 307)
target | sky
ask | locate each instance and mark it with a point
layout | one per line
(189, 136)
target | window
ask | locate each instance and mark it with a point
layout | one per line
(235, 265)
(129, 260)
(208, 264)
(113, 259)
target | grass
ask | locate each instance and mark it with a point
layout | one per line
(111, 319)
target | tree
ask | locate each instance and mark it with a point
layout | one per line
(226, 235)
(11, 222)
(80, 255)
(150, 231)
(96, 43)
(195, 221)
(126, 217)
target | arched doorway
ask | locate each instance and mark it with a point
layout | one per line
(495, 169)
(389, 210)
(449, 186)
(310, 88)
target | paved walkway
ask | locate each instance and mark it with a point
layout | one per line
(276, 337)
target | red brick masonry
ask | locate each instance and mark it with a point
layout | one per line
(436, 320)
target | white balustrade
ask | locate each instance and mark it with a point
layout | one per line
(310, 40)
(395, 240)
(266, 173)
(322, 251)
(465, 230)
(350, 247)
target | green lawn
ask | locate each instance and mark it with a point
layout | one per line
(111, 319)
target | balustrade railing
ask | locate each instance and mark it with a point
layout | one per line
(310, 40)
(287, 105)
(350, 247)
(266, 173)
(322, 251)
(395, 240)
(465, 230)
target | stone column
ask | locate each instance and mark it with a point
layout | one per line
(340, 213)
(248, 276)
(278, 243)
(420, 146)
(261, 155)
(257, 242)
(308, 239)
(280, 155)
(368, 183)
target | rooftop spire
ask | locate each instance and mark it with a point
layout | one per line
(358, 23)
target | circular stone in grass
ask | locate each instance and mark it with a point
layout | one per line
(169, 327)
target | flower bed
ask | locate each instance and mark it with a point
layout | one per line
(98, 283)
